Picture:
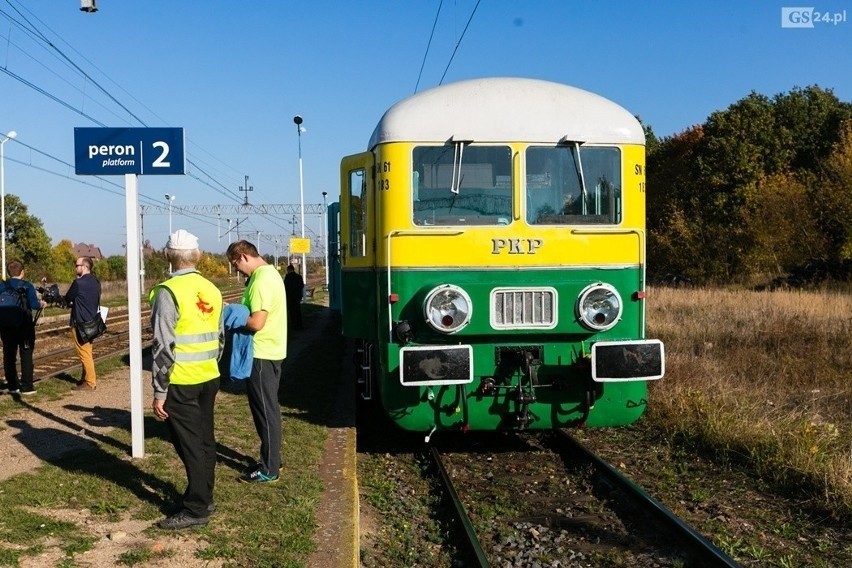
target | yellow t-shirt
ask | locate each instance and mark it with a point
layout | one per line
(266, 292)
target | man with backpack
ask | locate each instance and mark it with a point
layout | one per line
(17, 328)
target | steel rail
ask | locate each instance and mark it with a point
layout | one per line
(472, 540)
(709, 552)
(112, 344)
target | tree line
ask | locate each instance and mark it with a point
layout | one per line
(27, 241)
(756, 191)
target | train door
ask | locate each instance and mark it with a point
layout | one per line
(357, 246)
(333, 256)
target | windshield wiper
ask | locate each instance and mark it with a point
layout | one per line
(579, 165)
(458, 155)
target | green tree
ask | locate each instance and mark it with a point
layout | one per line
(651, 140)
(156, 268)
(832, 198)
(26, 238)
(62, 262)
(808, 123)
(673, 206)
(112, 268)
(718, 189)
(782, 224)
(672, 177)
(211, 267)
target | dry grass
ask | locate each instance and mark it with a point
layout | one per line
(764, 378)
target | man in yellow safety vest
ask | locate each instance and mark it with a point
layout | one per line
(188, 340)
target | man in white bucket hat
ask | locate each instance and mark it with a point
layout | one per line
(188, 338)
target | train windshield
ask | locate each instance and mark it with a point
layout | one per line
(573, 185)
(462, 184)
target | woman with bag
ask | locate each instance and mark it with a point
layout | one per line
(84, 296)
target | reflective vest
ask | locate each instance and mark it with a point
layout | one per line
(199, 307)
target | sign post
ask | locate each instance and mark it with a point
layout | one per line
(131, 152)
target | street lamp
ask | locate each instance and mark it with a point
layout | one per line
(229, 244)
(9, 136)
(298, 120)
(276, 254)
(324, 240)
(169, 199)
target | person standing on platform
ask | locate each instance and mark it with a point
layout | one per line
(84, 297)
(19, 335)
(266, 300)
(186, 318)
(295, 287)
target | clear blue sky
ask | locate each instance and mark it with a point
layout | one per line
(234, 73)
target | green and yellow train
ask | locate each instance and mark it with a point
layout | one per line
(491, 246)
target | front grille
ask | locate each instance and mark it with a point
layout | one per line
(523, 308)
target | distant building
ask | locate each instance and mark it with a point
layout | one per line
(84, 249)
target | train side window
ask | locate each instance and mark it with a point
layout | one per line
(483, 195)
(556, 193)
(357, 213)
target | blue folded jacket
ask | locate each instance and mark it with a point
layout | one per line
(242, 353)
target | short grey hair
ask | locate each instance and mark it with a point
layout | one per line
(183, 256)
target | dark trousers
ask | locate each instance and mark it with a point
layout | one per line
(262, 390)
(294, 313)
(18, 339)
(190, 424)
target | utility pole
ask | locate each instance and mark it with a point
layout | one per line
(246, 188)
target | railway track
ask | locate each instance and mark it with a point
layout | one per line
(516, 507)
(54, 354)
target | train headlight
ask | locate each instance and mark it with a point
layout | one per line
(599, 307)
(447, 308)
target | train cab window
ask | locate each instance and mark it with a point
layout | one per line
(556, 193)
(357, 213)
(462, 184)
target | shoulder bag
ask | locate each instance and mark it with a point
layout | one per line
(90, 330)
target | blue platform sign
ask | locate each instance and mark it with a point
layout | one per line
(119, 151)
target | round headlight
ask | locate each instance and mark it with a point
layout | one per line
(447, 308)
(599, 307)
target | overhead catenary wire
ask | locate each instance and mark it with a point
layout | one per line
(26, 24)
(49, 43)
(47, 49)
(458, 43)
(120, 190)
(428, 45)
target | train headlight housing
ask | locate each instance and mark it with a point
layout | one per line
(447, 308)
(599, 307)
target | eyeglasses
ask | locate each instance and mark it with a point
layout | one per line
(79, 265)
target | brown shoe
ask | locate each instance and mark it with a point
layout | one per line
(83, 387)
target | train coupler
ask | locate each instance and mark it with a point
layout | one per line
(525, 398)
(522, 419)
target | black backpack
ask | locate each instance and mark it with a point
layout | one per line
(14, 306)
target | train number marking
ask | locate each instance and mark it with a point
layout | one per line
(383, 183)
(515, 246)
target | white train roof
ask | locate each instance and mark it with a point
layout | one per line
(504, 110)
